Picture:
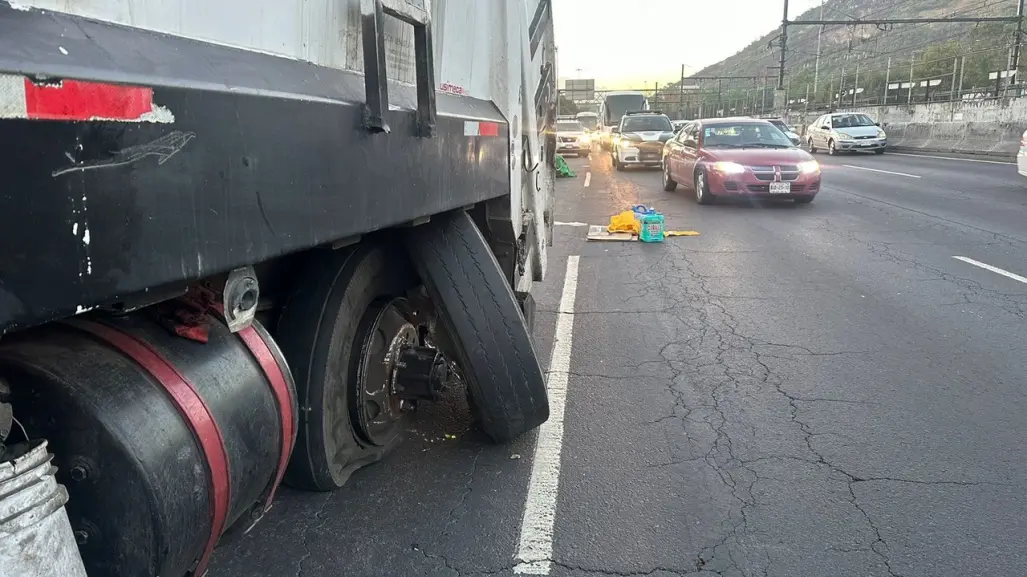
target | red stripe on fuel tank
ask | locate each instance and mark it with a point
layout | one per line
(193, 409)
(280, 387)
(77, 100)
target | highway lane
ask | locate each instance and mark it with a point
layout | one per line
(801, 390)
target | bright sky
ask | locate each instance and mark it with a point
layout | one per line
(626, 43)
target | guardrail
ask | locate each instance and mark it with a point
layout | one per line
(992, 139)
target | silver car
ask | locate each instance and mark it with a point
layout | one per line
(846, 132)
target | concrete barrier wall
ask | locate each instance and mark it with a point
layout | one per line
(989, 127)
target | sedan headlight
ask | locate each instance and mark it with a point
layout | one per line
(728, 167)
(809, 167)
(881, 134)
(626, 143)
(844, 136)
(584, 138)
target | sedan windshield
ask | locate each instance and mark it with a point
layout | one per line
(647, 124)
(568, 127)
(851, 120)
(745, 135)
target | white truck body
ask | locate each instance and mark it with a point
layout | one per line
(482, 49)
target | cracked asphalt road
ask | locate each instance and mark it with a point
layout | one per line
(815, 390)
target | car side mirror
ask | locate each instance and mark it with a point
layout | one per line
(615, 130)
(877, 124)
(825, 128)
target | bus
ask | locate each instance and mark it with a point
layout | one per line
(615, 104)
(613, 107)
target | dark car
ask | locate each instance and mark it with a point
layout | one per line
(739, 157)
(783, 127)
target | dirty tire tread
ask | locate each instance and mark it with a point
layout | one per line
(305, 332)
(479, 311)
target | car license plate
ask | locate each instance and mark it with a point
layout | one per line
(780, 187)
(650, 156)
(864, 144)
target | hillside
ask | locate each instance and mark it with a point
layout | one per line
(929, 48)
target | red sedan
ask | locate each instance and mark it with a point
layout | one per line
(743, 157)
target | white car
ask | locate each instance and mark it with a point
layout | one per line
(571, 138)
(1021, 156)
(639, 139)
(846, 132)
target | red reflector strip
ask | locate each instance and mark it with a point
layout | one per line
(193, 409)
(74, 100)
(279, 386)
(77, 100)
(475, 128)
(488, 129)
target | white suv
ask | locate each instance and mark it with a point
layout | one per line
(846, 131)
(639, 139)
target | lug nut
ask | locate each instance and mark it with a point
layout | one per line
(79, 473)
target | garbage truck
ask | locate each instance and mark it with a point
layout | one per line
(242, 242)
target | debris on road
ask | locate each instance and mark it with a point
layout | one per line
(562, 169)
(626, 221)
(643, 223)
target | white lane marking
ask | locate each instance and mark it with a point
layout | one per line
(879, 170)
(951, 158)
(535, 551)
(993, 269)
(560, 223)
(588, 179)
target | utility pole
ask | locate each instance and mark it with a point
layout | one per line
(719, 87)
(763, 96)
(912, 61)
(784, 48)
(681, 95)
(887, 79)
(1019, 36)
(841, 89)
(855, 85)
(962, 68)
(952, 91)
(699, 116)
(816, 66)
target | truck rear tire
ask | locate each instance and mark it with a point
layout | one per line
(320, 334)
(479, 313)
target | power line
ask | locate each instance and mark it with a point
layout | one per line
(785, 23)
(903, 48)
